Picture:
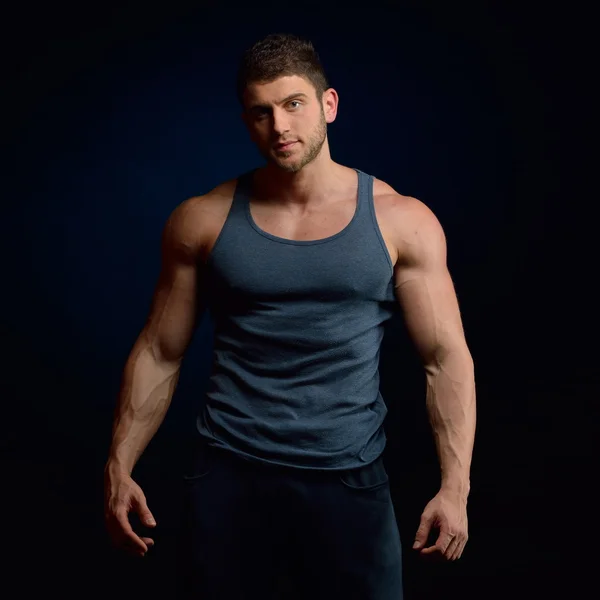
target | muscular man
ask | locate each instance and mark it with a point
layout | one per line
(300, 263)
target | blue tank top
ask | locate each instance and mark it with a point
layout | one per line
(298, 327)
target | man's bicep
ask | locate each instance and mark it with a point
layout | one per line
(425, 291)
(174, 308)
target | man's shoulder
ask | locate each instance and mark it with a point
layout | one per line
(407, 218)
(398, 208)
(214, 201)
(198, 212)
(194, 222)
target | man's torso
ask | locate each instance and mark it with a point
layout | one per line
(211, 212)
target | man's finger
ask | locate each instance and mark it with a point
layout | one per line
(444, 540)
(423, 532)
(453, 546)
(458, 552)
(441, 543)
(132, 548)
(126, 530)
(144, 512)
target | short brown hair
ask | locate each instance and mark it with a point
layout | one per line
(278, 55)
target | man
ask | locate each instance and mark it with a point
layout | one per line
(300, 262)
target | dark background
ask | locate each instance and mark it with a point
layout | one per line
(114, 114)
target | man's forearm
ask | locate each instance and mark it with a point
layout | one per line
(146, 391)
(452, 413)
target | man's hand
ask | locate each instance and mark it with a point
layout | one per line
(122, 495)
(447, 512)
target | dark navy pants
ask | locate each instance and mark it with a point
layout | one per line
(250, 530)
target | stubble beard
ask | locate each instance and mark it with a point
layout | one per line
(313, 148)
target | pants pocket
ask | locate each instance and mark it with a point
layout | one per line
(366, 479)
(201, 463)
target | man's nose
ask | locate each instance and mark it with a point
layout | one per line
(280, 122)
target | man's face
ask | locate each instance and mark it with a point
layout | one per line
(286, 110)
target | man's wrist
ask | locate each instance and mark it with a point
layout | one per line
(456, 487)
(116, 467)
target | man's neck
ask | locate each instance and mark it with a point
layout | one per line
(311, 186)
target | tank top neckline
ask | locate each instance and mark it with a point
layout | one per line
(247, 192)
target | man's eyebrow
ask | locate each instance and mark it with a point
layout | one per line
(283, 101)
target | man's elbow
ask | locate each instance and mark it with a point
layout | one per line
(449, 356)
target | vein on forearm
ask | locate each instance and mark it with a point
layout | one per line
(451, 408)
(146, 393)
